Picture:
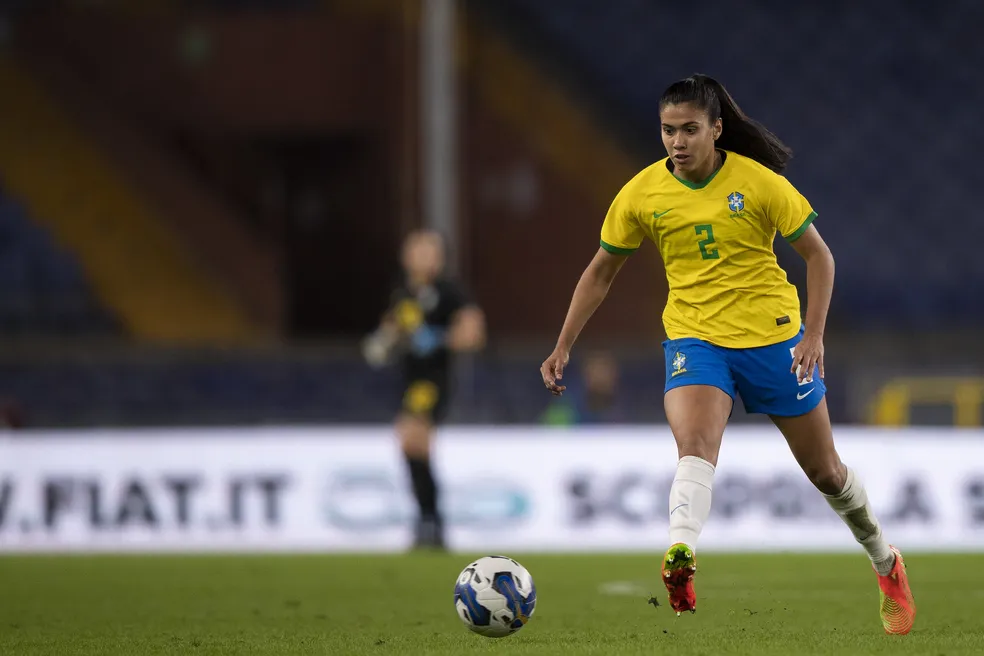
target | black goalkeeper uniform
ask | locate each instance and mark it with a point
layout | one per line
(424, 319)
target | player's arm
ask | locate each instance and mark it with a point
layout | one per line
(621, 235)
(819, 278)
(378, 346)
(793, 217)
(819, 288)
(591, 290)
(467, 331)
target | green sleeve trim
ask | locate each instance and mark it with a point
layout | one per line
(799, 232)
(615, 250)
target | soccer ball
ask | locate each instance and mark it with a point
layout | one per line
(494, 596)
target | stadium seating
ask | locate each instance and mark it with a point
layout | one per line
(44, 288)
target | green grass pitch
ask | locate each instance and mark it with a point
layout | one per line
(588, 604)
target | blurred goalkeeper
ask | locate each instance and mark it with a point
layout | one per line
(429, 318)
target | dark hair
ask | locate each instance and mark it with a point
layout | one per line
(741, 134)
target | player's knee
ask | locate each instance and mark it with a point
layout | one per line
(828, 477)
(700, 443)
(414, 434)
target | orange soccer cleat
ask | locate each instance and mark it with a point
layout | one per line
(679, 566)
(898, 609)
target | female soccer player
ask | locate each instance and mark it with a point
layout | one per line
(732, 319)
(428, 320)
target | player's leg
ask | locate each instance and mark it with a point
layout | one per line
(799, 410)
(422, 403)
(698, 403)
(697, 415)
(811, 440)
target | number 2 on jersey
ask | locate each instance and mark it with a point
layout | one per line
(706, 231)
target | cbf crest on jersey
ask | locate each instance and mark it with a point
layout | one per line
(679, 364)
(736, 203)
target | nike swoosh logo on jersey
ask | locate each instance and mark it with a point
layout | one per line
(656, 215)
(800, 397)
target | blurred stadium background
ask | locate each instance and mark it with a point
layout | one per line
(201, 202)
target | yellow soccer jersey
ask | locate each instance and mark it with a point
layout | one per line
(725, 284)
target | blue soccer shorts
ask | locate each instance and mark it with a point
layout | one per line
(759, 375)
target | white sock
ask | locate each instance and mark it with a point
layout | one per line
(852, 505)
(690, 499)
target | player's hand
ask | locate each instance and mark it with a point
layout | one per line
(807, 355)
(552, 371)
(377, 348)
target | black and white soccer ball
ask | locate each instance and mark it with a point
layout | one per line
(495, 596)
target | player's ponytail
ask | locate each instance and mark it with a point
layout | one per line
(741, 134)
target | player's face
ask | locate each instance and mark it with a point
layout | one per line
(423, 256)
(688, 136)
